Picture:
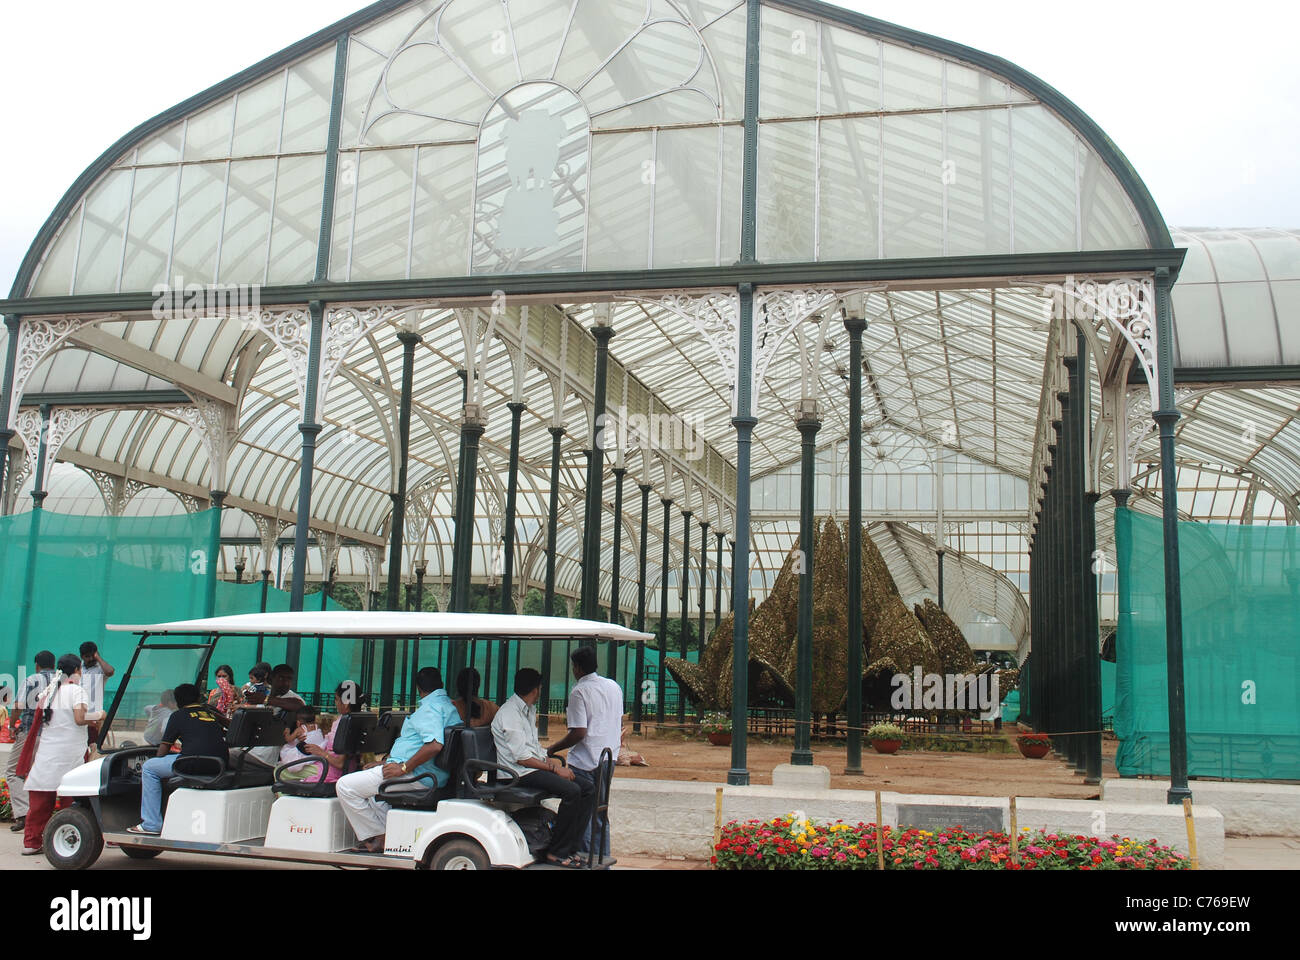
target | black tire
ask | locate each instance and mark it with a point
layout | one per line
(460, 855)
(73, 840)
(140, 853)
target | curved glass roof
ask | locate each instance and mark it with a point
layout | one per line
(488, 137)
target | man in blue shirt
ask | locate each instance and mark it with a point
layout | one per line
(413, 753)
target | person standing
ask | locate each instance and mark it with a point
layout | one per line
(198, 728)
(60, 746)
(595, 722)
(413, 753)
(95, 672)
(23, 713)
(514, 730)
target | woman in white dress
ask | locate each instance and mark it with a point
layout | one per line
(60, 749)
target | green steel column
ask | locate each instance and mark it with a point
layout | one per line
(388, 674)
(802, 754)
(661, 692)
(704, 585)
(1092, 633)
(685, 638)
(471, 430)
(557, 433)
(856, 326)
(616, 567)
(638, 677)
(939, 560)
(508, 568)
(717, 584)
(13, 327)
(218, 499)
(39, 494)
(593, 520)
(1167, 418)
(1069, 546)
(743, 418)
(310, 430)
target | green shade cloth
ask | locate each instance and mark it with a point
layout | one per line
(86, 572)
(1241, 648)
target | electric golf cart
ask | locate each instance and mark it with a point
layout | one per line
(235, 806)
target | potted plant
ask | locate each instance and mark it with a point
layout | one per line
(1035, 746)
(885, 737)
(717, 727)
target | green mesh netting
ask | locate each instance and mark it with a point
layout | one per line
(1241, 648)
(86, 572)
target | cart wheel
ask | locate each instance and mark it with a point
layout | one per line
(460, 855)
(73, 840)
(140, 853)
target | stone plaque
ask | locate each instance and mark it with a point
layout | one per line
(935, 817)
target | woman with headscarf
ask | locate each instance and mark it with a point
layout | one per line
(225, 697)
(63, 713)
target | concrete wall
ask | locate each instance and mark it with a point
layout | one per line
(1249, 809)
(675, 819)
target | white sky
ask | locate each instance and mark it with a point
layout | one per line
(1201, 96)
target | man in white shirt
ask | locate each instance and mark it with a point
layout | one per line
(95, 671)
(285, 703)
(514, 730)
(595, 722)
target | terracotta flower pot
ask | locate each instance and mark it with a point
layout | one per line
(887, 746)
(1034, 751)
(720, 739)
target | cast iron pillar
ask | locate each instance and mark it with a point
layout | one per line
(638, 675)
(595, 508)
(616, 570)
(809, 423)
(508, 564)
(685, 639)
(13, 327)
(704, 585)
(856, 324)
(662, 682)
(552, 516)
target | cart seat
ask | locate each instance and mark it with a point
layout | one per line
(500, 785)
(249, 727)
(355, 734)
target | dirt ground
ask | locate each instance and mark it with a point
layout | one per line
(945, 774)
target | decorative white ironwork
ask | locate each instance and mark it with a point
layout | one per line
(268, 534)
(63, 422)
(215, 425)
(374, 566)
(37, 339)
(116, 491)
(1129, 305)
(329, 545)
(716, 318)
(777, 314)
(1140, 424)
(343, 327)
(191, 503)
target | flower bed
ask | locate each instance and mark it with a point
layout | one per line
(787, 843)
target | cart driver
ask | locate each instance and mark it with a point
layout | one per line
(413, 753)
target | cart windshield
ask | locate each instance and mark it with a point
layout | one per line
(139, 709)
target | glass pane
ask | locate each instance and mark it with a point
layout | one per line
(383, 217)
(1249, 308)
(203, 190)
(1280, 253)
(597, 32)
(1234, 259)
(662, 57)
(307, 104)
(687, 205)
(344, 206)
(481, 36)
(100, 255)
(786, 165)
(850, 165)
(207, 137)
(1109, 220)
(978, 178)
(443, 202)
(1286, 293)
(913, 177)
(622, 201)
(153, 209)
(1198, 323)
(55, 275)
(257, 118)
(850, 71)
(968, 87)
(790, 65)
(1043, 168)
(726, 42)
(164, 147)
(424, 97)
(530, 207)
(247, 221)
(295, 234)
(912, 80)
(365, 68)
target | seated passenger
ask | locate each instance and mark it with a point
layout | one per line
(257, 689)
(413, 753)
(305, 734)
(347, 698)
(198, 728)
(158, 716)
(515, 733)
(285, 703)
(473, 709)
